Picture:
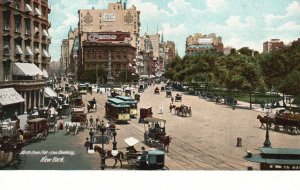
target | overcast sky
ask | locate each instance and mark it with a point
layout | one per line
(239, 22)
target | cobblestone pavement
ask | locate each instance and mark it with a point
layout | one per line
(205, 141)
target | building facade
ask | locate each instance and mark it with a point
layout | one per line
(64, 57)
(273, 44)
(97, 55)
(24, 44)
(104, 22)
(202, 42)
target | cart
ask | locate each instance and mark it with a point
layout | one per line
(36, 130)
(178, 98)
(145, 112)
(156, 91)
(168, 94)
(155, 132)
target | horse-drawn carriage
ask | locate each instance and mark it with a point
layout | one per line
(10, 154)
(35, 130)
(144, 160)
(156, 91)
(288, 122)
(144, 113)
(168, 94)
(92, 106)
(162, 88)
(178, 98)
(155, 133)
(8, 128)
(183, 110)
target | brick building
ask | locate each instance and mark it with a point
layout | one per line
(274, 44)
(24, 44)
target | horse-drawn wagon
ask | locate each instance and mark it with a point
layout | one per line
(36, 130)
(145, 160)
(155, 133)
(92, 106)
(287, 122)
(178, 98)
(290, 123)
(156, 91)
(10, 154)
(168, 94)
(144, 113)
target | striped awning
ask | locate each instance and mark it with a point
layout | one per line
(45, 73)
(26, 69)
(49, 92)
(45, 54)
(10, 96)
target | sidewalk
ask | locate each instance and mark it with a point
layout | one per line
(256, 107)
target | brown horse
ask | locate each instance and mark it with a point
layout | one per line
(108, 154)
(264, 120)
(166, 142)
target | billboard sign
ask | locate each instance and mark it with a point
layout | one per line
(108, 17)
(109, 37)
(205, 40)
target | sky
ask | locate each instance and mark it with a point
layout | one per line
(240, 23)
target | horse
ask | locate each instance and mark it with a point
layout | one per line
(264, 120)
(165, 140)
(108, 154)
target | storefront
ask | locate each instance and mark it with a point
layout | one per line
(11, 103)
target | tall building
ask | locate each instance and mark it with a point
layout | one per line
(274, 44)
(24, 44)
(117, 24)
(202, 42)
(64, 57)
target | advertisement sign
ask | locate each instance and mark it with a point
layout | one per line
(205, 40)
(108, 17)
(109, 37)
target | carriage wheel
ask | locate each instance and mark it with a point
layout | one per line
(285, 128)
(20, 161)
(291, 130)
(276, 128)
(132, 162)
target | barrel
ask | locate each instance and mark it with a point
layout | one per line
(239, 142)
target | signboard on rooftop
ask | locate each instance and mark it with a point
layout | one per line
(205, 40)
(109, 37)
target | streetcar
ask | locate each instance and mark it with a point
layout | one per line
(131, 102)
(117, 110)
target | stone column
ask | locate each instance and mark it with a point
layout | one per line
(38, 98)
(29, 98)
(42, 97)
(34, 98)
(25, 103)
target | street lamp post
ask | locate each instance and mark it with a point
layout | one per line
(114, 151)
(102, 130)
(267, 142)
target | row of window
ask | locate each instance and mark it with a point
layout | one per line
(28, 8)
(93, 56)
(27, 22)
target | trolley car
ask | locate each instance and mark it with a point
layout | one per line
(131, 102)
(117, 110)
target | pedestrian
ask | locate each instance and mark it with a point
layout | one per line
(87, 144)
(161, 109)
(91, 121)
(172, 99)
(91, 133)
(263, 105)
(170, 107)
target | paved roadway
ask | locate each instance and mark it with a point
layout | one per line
(205, 141)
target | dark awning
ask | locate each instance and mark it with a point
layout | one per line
(10, 96)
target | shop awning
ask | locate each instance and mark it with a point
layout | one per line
(28, 8)
(45, 73)
(28, 51)
(19, 50)
(45, 33)
(49, 92)
(37, 12)
(36, 30)
(45, 54)
(10, 96)
(26, 69)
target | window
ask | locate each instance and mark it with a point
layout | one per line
(18, 25)
(6, 73)
(17, 5)
(6, 22)
(27, 27)
(43, 11)
(94, 56)
(6, 43)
